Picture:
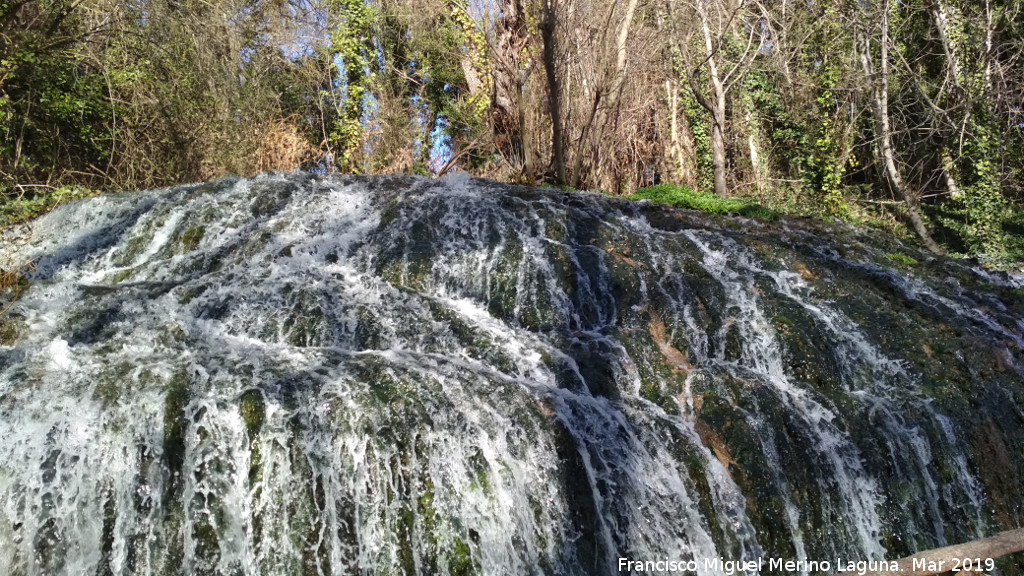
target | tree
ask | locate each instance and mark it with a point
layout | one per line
(722, 65)
(878, 78)
(548, 28)
(54, 104)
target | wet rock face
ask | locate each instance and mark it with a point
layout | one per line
(300, 375)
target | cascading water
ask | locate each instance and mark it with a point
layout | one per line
(299, 375)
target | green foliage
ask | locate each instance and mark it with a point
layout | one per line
(982, 201)
(700, 127)
(902, 259)
(463, 114)
(809, 141)
(192, 237)
(788, 135)
(352, 42)
(1013, 232)
(824, 172)
(53, 104)
(16, 208)
(684, 197)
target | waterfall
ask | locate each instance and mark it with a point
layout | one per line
(336, 375)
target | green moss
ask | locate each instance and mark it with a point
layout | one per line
(902, 259)
(262, 205)
(175, 422)
(9, 331)
(466, 335)
(479, 469)
(381, 383)
(411, 273)
(406, 530)
(554, 227)
(254, 244)
(121, 275)
(269, 197)
(305, 325)
(684, 197)
(142, 236)
(504, 288)
(186, 294)
(107, 534)
(652, 391)
(389, 214)
(562, 187)
(693, 461)
(253, 409)
(171, 335)
(190, 240)
(461, 561)
(113, 382)
(132, 249)
(207, 545)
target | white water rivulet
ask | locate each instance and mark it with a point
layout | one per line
(294, 375)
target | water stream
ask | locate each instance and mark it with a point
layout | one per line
(301, 375)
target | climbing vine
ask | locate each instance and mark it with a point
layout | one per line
(351, 42)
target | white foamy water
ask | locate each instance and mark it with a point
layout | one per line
(291, 375)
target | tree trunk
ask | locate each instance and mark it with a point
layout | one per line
(717, 102)
(508, 117)
(681, 147)
(880, 111)
(525, 131)
(472, 78)
(548, 29)
(755, 156)
(989, 32)
(578, 165)
(620, 56)
(947, 165)
(606, 95)
(718, 152)
(941, 17)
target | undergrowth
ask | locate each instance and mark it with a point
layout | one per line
(902, 259)
(684, 197)
(21, 206)
(1004, 251)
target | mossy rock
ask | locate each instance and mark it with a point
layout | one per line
(192, 237)
(142, 235)
(254, 409)
(305, 325)
(176, 400)
(461, 561)
(113, 382)
(269, 197)
(11, 326)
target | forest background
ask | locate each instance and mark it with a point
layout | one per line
(904, 114)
